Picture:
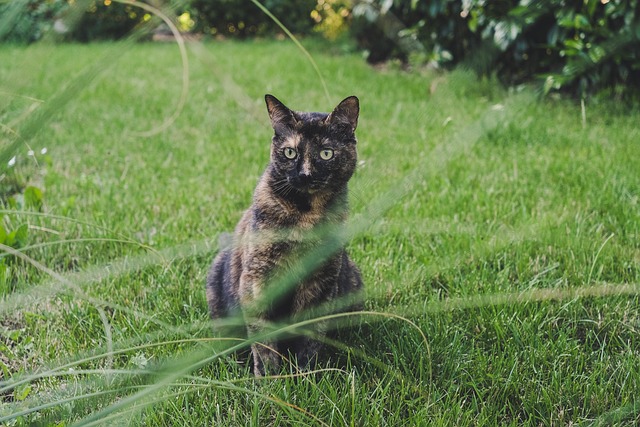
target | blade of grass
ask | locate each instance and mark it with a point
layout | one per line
(297, 43)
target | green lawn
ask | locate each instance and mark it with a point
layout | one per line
(501, 227)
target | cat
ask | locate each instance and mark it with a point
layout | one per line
(300, 198)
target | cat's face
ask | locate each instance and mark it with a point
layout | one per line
(312, 152)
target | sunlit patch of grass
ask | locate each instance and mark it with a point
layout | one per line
(497, 236)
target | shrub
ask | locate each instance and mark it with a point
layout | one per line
(332, 17)
(107, 20)
(432, 30)
(27, 21)
(242, 18)
(577, 45)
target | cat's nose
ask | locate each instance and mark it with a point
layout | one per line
(304, 178)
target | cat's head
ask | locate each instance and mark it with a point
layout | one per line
(312, 152)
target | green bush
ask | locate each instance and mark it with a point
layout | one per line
(242, 18)
(576, 45)
(107, 21)
(433, 30)
(27, 21)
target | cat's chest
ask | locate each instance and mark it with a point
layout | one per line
(286, 216)
(299, 230)
(307, 221)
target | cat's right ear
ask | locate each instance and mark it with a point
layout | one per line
(281, 117)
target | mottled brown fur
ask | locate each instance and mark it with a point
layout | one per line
(297, 203)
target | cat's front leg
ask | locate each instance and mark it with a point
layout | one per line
(265, 352)
(307, 351)
(266, 355)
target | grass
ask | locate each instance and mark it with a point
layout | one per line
(496, 224)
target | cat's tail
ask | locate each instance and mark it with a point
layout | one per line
(215, 287)
(223, 300)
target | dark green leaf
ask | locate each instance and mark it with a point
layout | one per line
(33, 197)
(581, 22)
(566, 21)
(597, 53)
(22, 393)
(574, 44)
(18, 237)
(552, 35)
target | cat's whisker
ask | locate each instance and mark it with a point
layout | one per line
(282, 187)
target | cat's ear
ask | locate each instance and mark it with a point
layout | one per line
(346, 112)
(281, 117)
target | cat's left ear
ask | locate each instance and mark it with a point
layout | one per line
(346, 112)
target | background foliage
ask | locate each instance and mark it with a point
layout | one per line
(27, 21)
(576, 45)
(82, 20)
(241, 18)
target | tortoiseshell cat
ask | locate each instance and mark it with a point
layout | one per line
(303, 192)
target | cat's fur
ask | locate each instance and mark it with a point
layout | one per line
(296, 204)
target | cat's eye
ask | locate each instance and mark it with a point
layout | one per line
(326, 154)
(290, 153)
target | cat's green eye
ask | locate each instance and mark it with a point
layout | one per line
(326, 154)
(290, 153)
